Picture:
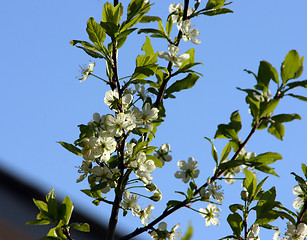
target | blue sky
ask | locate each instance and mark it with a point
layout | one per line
(42, 102)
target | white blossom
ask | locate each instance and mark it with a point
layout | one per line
(188, 34)
(162, 234)
(86, 71)
(130, 203)
(172, 57)
(122, 122)
(188, 170)
(84, 169)
(176, 11)
(215, 192)
(111, 99)
(162, 153)
(145, 214)
(146, 116)
(210, 214)
(299, 201)
(296, 233)
(253, 232)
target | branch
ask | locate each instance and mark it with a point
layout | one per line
(184, 203)
(169, 67)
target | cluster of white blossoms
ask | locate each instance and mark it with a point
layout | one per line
(105, 175)
(293, 232)
(187, 170)
(188, 34)
(161, 232)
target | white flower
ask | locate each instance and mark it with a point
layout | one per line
(299, 201)
(85, 169)
(86, 71)
(162, 234)
(188, 34)
(103, 175)
(176, 11)
(171, 55)
(253, 232)
(141, 91)
(145, 214)
(276, 235)
(188, 170)
(162, 153)
(111, 99)
(98, 121)
(210, 214)
(214, 191)
(146, 116)
(122, 122)
(130, 202)
(296, 233)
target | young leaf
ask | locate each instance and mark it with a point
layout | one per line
(292, 67)
(235, 221)
(302, 98)
(213, 152)
(95, 33)
(83, 227)
(286, 117)
(71, 148)
(266, 72)
(250, 183)
(277, 129)
(185, 83)
(225, 152)
(68, 209)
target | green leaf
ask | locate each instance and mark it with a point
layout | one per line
(134, 8)
(304, 169)
(172, 203)
(225, 131)
(95, 33)
(91, 52)
(112, 14)
(147, 19)
(225, 152)
(236, 207)
(38, 222)
(261, 161)
(286, 117)
(215, 4)
(217, 12)
(297, 84)
(69, 207)
(292, 67)
(71, 148)
(139, 147)
(302, 98)
(157, 162)
(235, 121)
(266, 72)
(190, 193)
(83, 227)
(250, 183)
(266, 108)
(185, 83)
(277, 129)
(213, 152)
(189, 233)
(42, 206)
(235, 221)
(169, 26)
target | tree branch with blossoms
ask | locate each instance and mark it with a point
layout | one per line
(116, 147)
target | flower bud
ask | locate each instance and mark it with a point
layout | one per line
(244, 195)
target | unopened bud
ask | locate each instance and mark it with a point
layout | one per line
(244, 195)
